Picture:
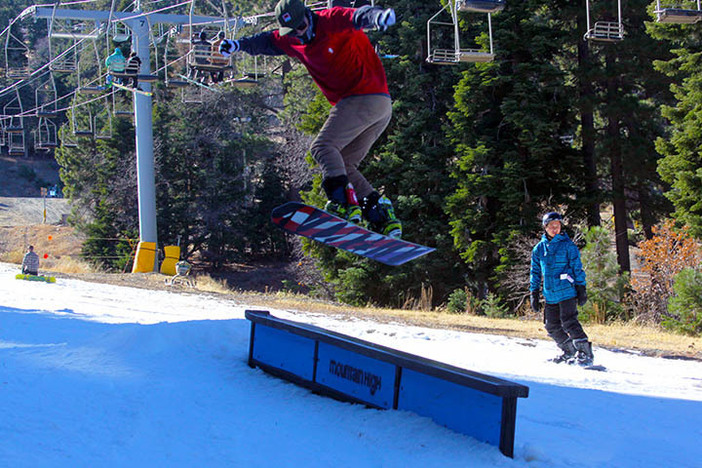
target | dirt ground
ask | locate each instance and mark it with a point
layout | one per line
(22, 211)
(24, 177)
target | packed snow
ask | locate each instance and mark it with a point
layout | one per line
(102, 375)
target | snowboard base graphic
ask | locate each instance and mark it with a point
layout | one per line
(320, 226)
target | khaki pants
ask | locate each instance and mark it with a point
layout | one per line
(352, 127)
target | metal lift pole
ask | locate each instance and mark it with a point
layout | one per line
(143, 123)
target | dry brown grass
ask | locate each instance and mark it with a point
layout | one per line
(206, 283)
(58, 247)
(63, 251)
(648, 339)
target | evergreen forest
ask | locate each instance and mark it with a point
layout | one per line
(608, 133)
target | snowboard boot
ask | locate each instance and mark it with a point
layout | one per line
(342, 199)
(584, 357)
(379, 213)
(569, 353)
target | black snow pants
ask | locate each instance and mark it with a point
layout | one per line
(561, 321)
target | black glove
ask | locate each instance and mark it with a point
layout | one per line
(228, 47)
(535, 303)
(384, 19)
(582, 294)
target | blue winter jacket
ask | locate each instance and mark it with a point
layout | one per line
(557, 262)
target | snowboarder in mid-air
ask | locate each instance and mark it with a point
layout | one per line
(555, 262)
(340, 58)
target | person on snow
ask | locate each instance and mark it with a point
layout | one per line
(30, 262)
(556, 261)
(340, 59)
(115, 63)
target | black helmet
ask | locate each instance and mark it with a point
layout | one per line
(552, 216)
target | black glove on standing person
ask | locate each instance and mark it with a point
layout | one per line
(535, 303)
(582, 294)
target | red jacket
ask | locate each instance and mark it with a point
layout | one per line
(340, 58)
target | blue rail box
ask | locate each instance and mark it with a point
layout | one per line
(350, 369)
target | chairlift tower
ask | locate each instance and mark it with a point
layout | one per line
(139, 23)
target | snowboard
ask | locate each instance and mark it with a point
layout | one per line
(27, 277)
(318, 225)
(593, 367)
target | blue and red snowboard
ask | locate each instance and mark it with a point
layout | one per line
(318, 225)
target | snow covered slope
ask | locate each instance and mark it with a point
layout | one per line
(101, 375)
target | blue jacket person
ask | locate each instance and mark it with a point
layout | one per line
(556, 268)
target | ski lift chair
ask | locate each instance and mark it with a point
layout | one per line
(13, 111)
(605, 31)
(16, 125)
(126, 77)
(168, 65)
(46, 136)
(129, 73)
(120, 32)
(207, 60)
(3, 133)
(66, 139)
(46, 113)
(91, 89)
(74, 29)
(102, 122)
(16, 146)
(119, 107)
(193, 94)
(202, 55)
(81, 131)
(16, 57)
(246, 72)
(87, 84)
(66, 61)
(46, 98)
(481, 6)
(678, 13)
(455, 54)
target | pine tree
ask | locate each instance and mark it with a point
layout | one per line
(606, 285)
(100, 179)
(680, 148)
(410, 164)
(511, 162)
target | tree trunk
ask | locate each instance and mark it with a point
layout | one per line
(616, 166)
(587, 123)
(648, 218)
